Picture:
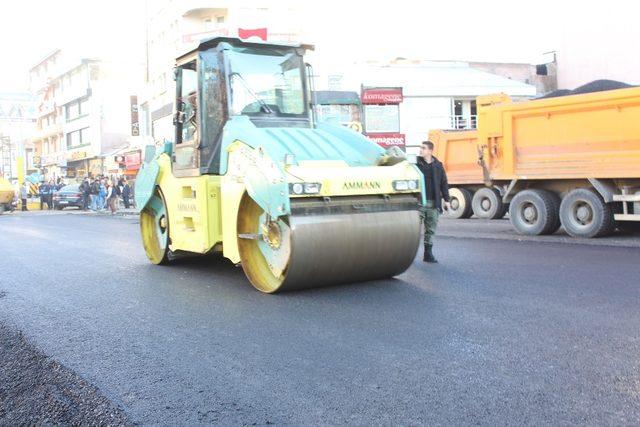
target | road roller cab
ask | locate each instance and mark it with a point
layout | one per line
(252, 175)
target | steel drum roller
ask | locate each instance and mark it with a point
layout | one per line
(330, 249)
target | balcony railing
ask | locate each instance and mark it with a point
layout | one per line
(464, 122)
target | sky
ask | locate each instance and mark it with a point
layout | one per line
(476, 30)
(31, 29)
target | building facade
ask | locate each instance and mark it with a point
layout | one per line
(436, 94)
(83, 113)
(175, 26)
(17, 123)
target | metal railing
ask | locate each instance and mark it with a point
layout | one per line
(464, 122)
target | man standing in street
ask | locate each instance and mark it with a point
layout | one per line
(126, 193)
(43, 192)
(436, 189)
(24, 193)
(93, 191)
(85, 190)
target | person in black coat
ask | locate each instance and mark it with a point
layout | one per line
(436, 189)
(46, 194)
(126, 193)
(85, 190)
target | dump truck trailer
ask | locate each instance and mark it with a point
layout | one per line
(253, 176)
(572, 161)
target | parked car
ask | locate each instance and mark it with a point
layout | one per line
(69, 195)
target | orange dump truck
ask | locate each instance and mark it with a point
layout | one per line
(572, 161)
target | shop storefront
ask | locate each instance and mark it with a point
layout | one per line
(80, 165)
(54, 166)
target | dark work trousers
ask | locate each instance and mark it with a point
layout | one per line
(430, 221)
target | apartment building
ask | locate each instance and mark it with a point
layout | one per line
(176, 26)
(83, 113)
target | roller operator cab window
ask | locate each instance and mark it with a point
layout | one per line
(266, 83)
(188, 99)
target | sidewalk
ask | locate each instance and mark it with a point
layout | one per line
(121, 212)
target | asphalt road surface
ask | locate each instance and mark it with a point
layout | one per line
(500, 332)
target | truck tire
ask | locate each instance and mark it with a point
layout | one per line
(535, 212)
(460, 199)
(584, 213)
(487, 203)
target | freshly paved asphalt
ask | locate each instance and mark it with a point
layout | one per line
(500, 332)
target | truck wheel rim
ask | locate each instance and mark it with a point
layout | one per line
(582, 213)
(529, 213)
(154, 226)
(485, 204)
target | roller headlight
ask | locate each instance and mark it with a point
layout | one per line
(405, 185)
(300, 188)
(311, 188)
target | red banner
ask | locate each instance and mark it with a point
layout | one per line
(257, 32)
(386, 140)
(382, 96)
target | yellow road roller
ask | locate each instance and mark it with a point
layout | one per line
(252, 174)
(6, 196)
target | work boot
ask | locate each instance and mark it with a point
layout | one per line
(428, 254)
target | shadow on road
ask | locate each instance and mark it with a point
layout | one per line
(213, 274)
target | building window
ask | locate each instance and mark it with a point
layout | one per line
(78, 138)
(84, 106)
(77, 109)
(84, 136)
(464, 114)
(220, 19)
(73, 111)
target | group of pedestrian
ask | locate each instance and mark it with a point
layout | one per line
(102, 193)
(46, 190)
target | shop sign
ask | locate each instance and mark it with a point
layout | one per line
(77, 155)
(95, 166)
(135, 124)
(54, 159)
(132, 161)
(386, 140)
(382, 96)
(382, 118)
(260, 33)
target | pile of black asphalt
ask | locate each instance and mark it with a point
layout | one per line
(36, 390)
(591, 87)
